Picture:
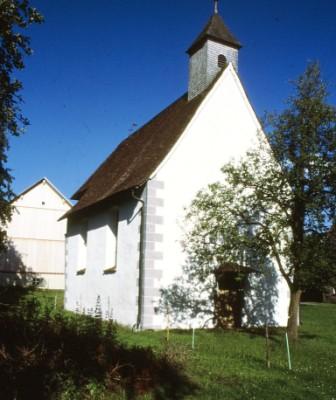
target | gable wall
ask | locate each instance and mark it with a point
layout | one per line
(223, 129)
(36, 213)
(37, 237)
(42, 192)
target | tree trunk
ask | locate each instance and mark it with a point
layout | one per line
(293, 314)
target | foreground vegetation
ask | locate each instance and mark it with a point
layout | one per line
(46, 353)
(232, 365)
(60, 356)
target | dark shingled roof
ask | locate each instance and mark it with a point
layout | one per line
(136, 158)
(217, 31)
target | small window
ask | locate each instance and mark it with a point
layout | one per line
(222, 62)
(82, 247)
(111, 242)
(83, 232)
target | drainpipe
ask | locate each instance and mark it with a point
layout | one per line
(141, 257)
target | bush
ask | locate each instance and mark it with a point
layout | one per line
(48, 354)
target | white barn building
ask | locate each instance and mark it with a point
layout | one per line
(124, 233)
(36, 237)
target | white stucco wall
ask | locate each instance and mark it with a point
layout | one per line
(223, 128)
(37, 237)
(117, 291)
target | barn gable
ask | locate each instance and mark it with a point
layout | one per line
(36, 237)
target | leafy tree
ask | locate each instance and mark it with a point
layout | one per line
(15, 17)
(277, 204)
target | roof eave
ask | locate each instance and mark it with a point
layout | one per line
(199, 44)
(101, 203)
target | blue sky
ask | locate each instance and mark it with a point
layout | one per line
(99, 67)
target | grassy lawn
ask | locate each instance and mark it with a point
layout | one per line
(51, 298)
(231, 364)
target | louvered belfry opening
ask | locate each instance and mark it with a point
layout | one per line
(221, 62)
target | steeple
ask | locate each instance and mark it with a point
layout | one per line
(212, 50)
(216, 7)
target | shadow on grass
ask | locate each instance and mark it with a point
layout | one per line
(45, 354)
(308, 336)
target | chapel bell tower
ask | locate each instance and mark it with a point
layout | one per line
(212, 50)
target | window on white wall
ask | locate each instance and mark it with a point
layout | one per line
(111, 242)
(82, 248)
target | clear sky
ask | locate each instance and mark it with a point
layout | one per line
(101, 66)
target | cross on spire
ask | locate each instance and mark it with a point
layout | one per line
(216, 7)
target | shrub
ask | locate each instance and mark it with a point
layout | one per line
(48, 354)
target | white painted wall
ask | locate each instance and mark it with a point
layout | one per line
(223, 128)
(117, 291)
(36, 235)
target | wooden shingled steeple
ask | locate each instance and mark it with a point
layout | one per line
(213, 49)
(215, 30)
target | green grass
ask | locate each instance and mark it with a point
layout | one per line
(52, 298)
(231, 364)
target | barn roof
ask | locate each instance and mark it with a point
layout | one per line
(131, 164)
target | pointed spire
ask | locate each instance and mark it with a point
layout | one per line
(215, 30)
(216, 7)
